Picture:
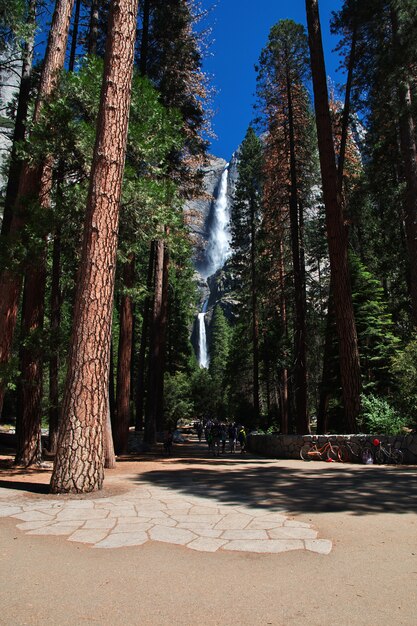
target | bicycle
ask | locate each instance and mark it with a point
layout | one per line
(311, 451)
(350, 451)
(386, 453)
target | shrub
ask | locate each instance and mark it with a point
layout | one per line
(379, 417)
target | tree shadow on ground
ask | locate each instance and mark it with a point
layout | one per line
(31, 487)
(359, 491)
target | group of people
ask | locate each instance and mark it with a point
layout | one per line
(217, 435)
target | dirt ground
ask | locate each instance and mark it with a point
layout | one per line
(369, 577)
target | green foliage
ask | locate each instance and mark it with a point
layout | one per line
(178, 402)
(379, 417)
(374, 326)
(404, 370)
(219, 345)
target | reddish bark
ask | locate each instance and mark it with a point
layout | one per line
(121, 427)
(336, 230)
(140, 387)
(155, 348)
(79, 460)
(302, 422)
(35, 180)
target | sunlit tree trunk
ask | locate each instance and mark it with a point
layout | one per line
(79, 460)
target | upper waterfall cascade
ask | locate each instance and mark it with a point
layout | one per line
(218, 246)
(216, 254)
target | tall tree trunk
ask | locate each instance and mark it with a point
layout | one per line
(409, 157)
(19, 130)
(15, 163)
(28, 423)
(55, 321)
(121, 430)
(31, 362)
(112, 393)
(302, 422)
(324, 392)
(144, 44)
(346, 110)
(55, 313)
(141, 384)
(284, 374)
(163, 337)
(35, 180)
(73, 50)
(336, 230)
(80, 457)
(155, 346)
(109, 454)
(93, 28)
(255, 321)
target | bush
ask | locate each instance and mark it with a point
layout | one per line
(404, 369)
(379, 417)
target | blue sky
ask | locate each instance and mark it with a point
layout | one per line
(240, 31)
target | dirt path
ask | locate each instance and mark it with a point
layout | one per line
(370, 575)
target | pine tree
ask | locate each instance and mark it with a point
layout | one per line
(336, 229)
(80, 457)
(282, 70)
(219, 353)
(245, 219)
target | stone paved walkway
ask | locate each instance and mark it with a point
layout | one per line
(156, 513)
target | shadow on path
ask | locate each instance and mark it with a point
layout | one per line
(314, 489)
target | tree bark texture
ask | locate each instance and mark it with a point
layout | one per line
(140, 387)
(35, 180)
(409, 158)
(19, 130)
(155, 346)
(55, 314)
(144, 44)
(255, 320)
(80, 457)
(336, 230)
(284, 373)
(93, 28)
(121, 429)
(324, 392)
(300, 374)
(163, 337)
(346, 110)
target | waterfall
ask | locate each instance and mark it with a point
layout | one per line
(217, 253)
(203, 357)
(218, 246)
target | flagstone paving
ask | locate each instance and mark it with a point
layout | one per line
(152, 513)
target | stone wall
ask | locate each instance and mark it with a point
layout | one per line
(288, 446)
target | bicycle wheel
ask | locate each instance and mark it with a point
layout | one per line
(380, 456)
(397, 457)
(354, 451)
(333, 452)
(304, 452)
(343, 454)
